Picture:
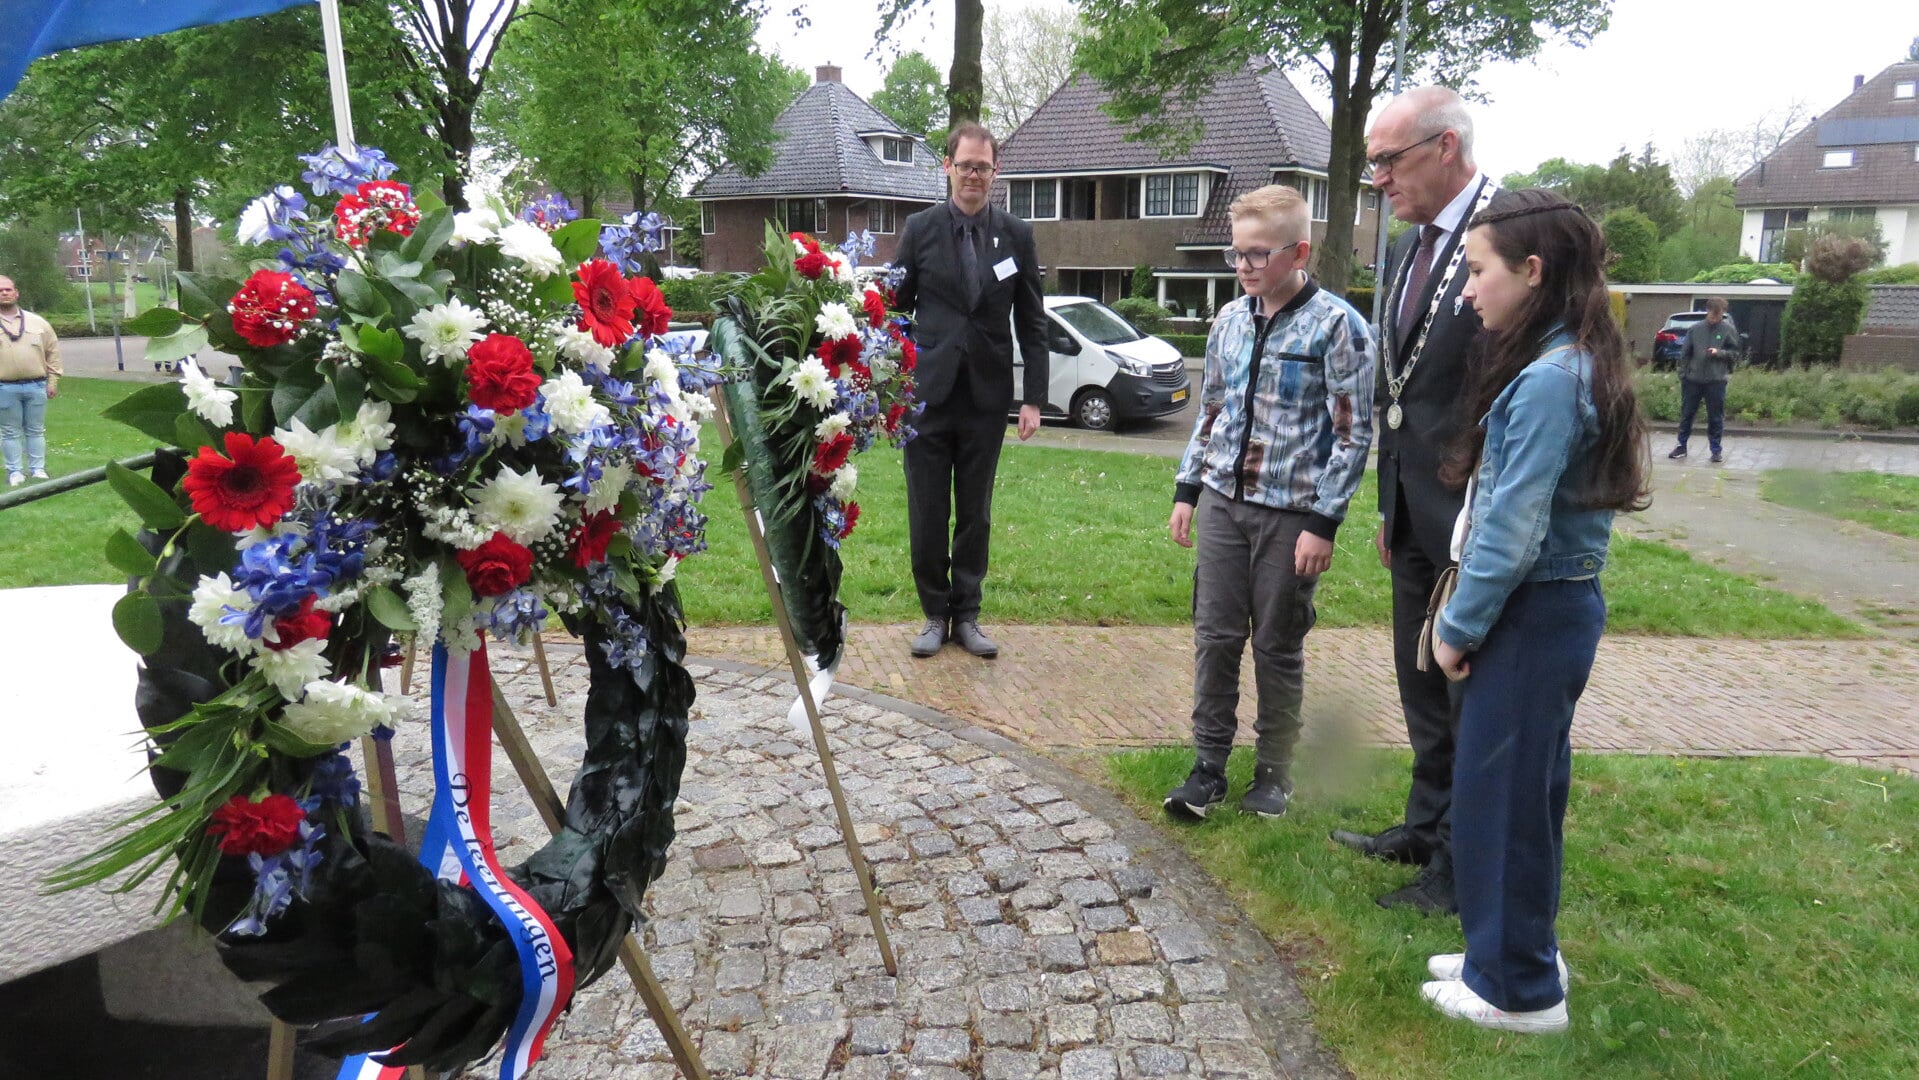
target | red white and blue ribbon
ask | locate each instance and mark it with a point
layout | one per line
(458, 845)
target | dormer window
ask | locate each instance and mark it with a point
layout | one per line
(1903, 91)
(899, 151)
(1838, 159)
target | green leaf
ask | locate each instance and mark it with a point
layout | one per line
(136, 618)
(734, 458)
(319, 411)
(386, 606)
(256, 407)
(456, 597)
(557, 289)
(195, 301)
(128, 556)
(154, 322)
(155, 507)
(188, 341)
(210, 549)
(349, 388)
(578, 240)
(420, 293)
(150, 410)
(298, 383)
(427, 201)
(358, 295)
(429, 236)
(190, 433)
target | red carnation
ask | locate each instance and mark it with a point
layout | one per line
(852, 519)
(837, 352)
(375, 205)
(875, 308)
(500, 375)
(252, 485)
(606, 303)
(496, 567)
(811, 245)
(303, 625)
(909, 353)
(591, 538)
(267, 827)
(811, 265)
(894, 415)
(832, 453)
(654, 316)
(269, 308)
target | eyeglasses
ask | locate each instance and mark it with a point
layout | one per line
(1257, 260)
(967, 168)
(1385, 162)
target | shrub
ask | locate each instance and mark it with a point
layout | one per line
(1361, 297)
(1876, 400)
(1187, 344)
(1903, 274)
(1818, 317)
(1144, 314)
(1143, 282)
(1741, 273)
(691, 296)
(1634, 242)
(30, 255)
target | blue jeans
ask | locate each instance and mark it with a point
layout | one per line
(1714, 395)
(23, 406)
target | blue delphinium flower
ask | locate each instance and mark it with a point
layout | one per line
(333, 781)
(635, 235)
(517, 616)
(550, 213)
(277, 879)
(858, 245)
(333, 171)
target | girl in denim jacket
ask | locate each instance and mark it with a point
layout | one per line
(1559, 444)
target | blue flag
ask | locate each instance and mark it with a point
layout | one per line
(38, 27)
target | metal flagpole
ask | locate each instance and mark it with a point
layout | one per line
(1380, 270)
(336, 74)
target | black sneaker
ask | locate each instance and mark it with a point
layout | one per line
(1716, 459)
(1431, 893)
(1677, 453)
(1267, 797)
(1204, 789)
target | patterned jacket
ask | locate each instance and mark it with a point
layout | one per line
(1289, 427)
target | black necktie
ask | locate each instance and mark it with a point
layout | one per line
(969, 261)
(1416, 281)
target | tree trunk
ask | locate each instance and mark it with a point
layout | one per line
(1335, 263)
(966, 85)
(183, 229)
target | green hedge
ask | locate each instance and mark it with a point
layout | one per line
(1187, 344)
(1148, 316)
(1880, 400)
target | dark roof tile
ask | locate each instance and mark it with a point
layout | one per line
(818, 152)
(1795, 174)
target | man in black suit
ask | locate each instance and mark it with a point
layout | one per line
(971, 279)
(1420, 151)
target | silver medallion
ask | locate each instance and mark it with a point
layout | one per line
(1394, 416)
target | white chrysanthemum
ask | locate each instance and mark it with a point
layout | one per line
(845, 479)
(661, 369)
(213, 402)
(320, 455)
(256, 220)
(213, 598)
(369, 432)
(445, 331)
(666, 572)
(577, 345)
(832, 426)
(290, 669)
(258, 535)
(479, 225)
(835, 321)
(529, 244)
(424, 601)
(335, 712)
(569, 401)
(813, 385)
(605, 494)
(517, 504)
(842, 269)
(698, 406)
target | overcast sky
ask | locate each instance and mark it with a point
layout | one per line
(1665, 70)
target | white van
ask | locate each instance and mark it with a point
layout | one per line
(1104, 370)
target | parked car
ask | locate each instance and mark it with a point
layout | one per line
(1104, 369)
(1671, 338)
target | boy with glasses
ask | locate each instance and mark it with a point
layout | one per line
(1277, 451)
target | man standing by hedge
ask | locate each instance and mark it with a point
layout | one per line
(29, 375)
(1705, 362)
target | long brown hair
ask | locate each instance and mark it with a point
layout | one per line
(1571, 295)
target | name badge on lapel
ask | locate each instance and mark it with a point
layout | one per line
(1004, 269)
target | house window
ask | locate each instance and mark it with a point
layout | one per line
(707, 226)
(1902, 90)
(1076, 199)
(896, 150)
(1851, 213)
(1186, 194)
(1838, 159)
(1774, 228)
(1159, 196)
(1034, 200)
(804, 215)
(880, 216)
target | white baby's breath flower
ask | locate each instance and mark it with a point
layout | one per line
(479, 225)
(605, 494)
(213, 402)
(578, 346)
(845, 479)
(321, 457)
(813, 385)
(290, 669)
(698, 407)
(424, 602)
(214, 598)
(445, 331)
(333, 712)
(518, 504)
(835, 321)
(530, 245)
(569, 401)
(831, 426)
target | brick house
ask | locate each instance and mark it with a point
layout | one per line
(1101, 205)
(839, 166)
(1858, 161)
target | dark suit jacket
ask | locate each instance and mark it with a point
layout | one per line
(950, 334)
(1409, 458)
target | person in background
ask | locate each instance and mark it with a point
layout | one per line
(1705, 363)
(1277, 451)
(29, 376)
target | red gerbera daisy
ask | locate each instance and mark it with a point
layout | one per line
(303, 625)
(269, 308)
(252, 485)
(837, 352)
(852, 519)
(267, 827)
(653, 316)
(832, 453)
(592, 537)
(606, 303)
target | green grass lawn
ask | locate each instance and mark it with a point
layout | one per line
(1722, 918)
(1078, 537)
(1882, 501)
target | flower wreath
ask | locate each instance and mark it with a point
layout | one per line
(829, 372)
(448, 425)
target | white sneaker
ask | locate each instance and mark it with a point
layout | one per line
(16, 479)
(39, 474)
(1451, 967)
(1457, 1000)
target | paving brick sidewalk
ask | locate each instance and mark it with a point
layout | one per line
(1088, 687)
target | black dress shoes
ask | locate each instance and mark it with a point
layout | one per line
(974, 640)
(1431, 893)
(1397, 844)
(930, 639)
